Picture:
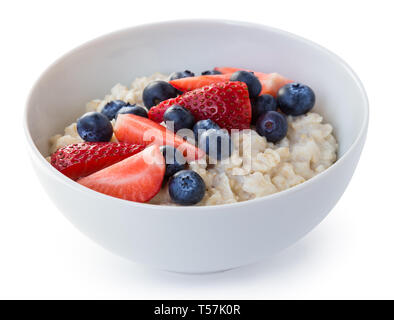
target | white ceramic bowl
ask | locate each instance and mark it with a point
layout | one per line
(196, 239)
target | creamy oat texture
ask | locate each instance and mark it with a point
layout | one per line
(256, 168)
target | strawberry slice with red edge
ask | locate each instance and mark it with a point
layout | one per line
(137, 178)
(226, 103)
(82, 159)
(192, 83)
(138, 130)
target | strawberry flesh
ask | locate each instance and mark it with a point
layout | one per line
(192, 83)
(137, 178)
(271, 82)
(82, 159)
(134, 129)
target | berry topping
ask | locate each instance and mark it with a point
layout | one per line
(188, 84)
(210, 72)
(137, 178)
(156, 92)
(186, 187)
(82, 159)
(181, 74)
(226, 103)
(272, 125)
(175, 161)
(262, 104)
(254, 85)
(133, 109)
(94, 127)
(111, 108)
(134, 129)
(178, 117)
(295, 99)
(271, 82)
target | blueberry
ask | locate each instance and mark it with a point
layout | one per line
(133, 109)
(94, 127)
(204, 125)
(262, 104)
(295, 99)
(272, 125)
(111, 108)
(175, 161)
(156, 92)
(210, 72)
(181, 117)
(181, 74)
(186, 187)
(216, 143)
(254, 85)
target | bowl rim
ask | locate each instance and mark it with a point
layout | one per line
(40, 159)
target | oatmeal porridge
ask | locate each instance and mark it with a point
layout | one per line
(278, 149)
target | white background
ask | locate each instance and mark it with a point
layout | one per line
(349, 255)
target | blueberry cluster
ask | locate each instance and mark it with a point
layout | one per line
(186, 187)
(292, 99)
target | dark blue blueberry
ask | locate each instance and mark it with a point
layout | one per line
(204, 125)
(216, 143)
(210, 72)
(175, 161)
(262, 104)
(186, 187)
(180, 117)
(133, 109)
(94, 127)
(254, 85)
(156, 92)
(295, 99)
(272, 125)
(181, 74)
(111, 108)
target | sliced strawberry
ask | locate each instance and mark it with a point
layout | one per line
(82, 159)
(191, 83)
(270, 82)
(137, 178)
(226, 103)
(134, 129)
